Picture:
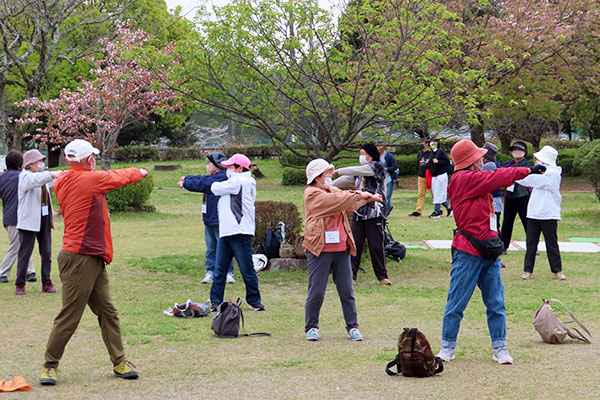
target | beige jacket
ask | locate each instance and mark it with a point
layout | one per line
(319, 206)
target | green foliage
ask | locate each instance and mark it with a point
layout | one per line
(566, 163)
(261, 151)
(293, 176)
(268, 215)
(181, 153)
(408, 165)
(559, 144)
(288, 158)
(136, 153)
(588, 163)
(132, 197)
(502, 158)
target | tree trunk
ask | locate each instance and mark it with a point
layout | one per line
(53, 157)
(477, 135)
(505, 144)
(9, 137)
(105, 163)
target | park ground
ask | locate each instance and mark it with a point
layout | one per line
(159, 261)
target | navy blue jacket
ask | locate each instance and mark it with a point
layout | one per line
(201, 183)
(391, 165)
(9, 187)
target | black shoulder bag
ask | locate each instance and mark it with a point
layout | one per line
(490, 249)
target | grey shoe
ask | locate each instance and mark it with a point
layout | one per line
(31, 277)
(446, 354)
(3, 279)
(502, 356)
(208, 278)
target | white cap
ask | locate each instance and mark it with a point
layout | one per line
(547, 155)
(316, 168)
(79, 149)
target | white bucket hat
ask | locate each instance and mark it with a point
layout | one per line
(316, 168)
(547, 155)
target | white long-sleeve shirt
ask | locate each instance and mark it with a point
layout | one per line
(236, 205)
(545, 199)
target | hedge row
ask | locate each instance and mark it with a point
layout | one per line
(147, 153)
(132, 197)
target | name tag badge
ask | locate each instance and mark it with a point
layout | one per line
(44, 211)
(203, 208)
(511, 188)
(332, 236)
(493, 223)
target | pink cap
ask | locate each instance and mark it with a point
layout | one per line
(238, 159)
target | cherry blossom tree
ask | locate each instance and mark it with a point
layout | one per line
(123, 91)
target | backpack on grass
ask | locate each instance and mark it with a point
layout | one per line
(415, 358)
(226, 323)
(394, 250)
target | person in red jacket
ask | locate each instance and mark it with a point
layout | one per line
(473, 208)
(86, 250)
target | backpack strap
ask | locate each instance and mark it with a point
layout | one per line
(239, 304)
(396, 362)
(413, 340)
(440, 365)
(581, 336)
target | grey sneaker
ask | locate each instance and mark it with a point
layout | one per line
(501, 356)
(230, 278)
(526, 275)
(446, 354)
(312, 335)
(208, 278)
(355, 335)
(3, 279)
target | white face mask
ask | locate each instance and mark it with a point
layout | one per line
(518, 153)
(434, 147)
(40, 166)
(363, 160)
(327, 182)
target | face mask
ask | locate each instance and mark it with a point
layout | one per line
(40, 166)
(328, 182)
(518, 153)
(363, 160)
(434, 147)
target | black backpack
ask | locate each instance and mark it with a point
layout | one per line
(273, 241)
(394, 250)
(226, 323)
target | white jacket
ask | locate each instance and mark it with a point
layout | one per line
(236, 205)
(29, 210)
(544, 202)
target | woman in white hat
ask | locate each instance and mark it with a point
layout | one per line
(328, 244)
(543, 212)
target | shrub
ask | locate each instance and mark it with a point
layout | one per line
(289, 158)
(181, 153)
(268, 215)
(408, 165)
(587, 163)
(561, 144)
(131, 197)
(502, 158)
(293, 176)
(136, 153)
(567, 153)
(262, 151)
(566, 164)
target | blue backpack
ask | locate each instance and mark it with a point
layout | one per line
(272, 242)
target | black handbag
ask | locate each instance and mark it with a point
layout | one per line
(490, 249)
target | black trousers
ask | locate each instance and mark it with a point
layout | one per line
(372, 230)
(512, 207)
(548, 228)
(27, 238)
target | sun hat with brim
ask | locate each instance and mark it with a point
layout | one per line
(316, 168)
(32, 156)
(492, 151)
(79, 149)
(238, 159)
(217, 158)
(465, 153)
(547, 155)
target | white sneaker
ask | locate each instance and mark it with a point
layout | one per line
(208, 278)
(526, 275)
(560, 276)
(446, 354)
(230, 278)
(501, 355)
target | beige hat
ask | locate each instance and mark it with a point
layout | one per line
(32, 156)
(316, 168)
(547, 155)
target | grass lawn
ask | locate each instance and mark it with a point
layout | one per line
(159, 260)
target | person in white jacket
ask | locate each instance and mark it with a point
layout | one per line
(543, 212)
(34, 218)
(236, 230)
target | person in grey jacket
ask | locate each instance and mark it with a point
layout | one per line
(9, 187)
(368, 221)
(34, 218)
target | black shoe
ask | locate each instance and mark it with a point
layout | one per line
(213, 307)
(256, 307)
(449, 212)
(31, 277)
(414, 214)
(3, 279)
(436, 214)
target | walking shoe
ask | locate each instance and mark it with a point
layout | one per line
(526, 275)
(446, 354)
(256, 307)
(31, 277)
(312, 335)
(230, 278)
(213, 306)
(126, 370)
(355, 335)
(208, 278)
(20, 290)
(501, 355)
(3, 279)
(48, 288)
(414, 214)
(436, 214)
(385, 282)
(449, 212)
(560, 276)
(48, 376)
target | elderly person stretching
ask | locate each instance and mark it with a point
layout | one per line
(34, 219)
(476, 221)
(328, 244)
(86, 250)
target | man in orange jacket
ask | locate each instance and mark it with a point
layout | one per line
(87, 248)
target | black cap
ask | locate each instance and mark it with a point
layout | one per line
(217, 158)
(519, 145)
(371, 150)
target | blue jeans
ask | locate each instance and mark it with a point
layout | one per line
(240, 247)
(468, 271)
(438, 206)
(389, 189)
(211, 237)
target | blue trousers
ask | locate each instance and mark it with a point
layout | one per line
(211, 237)
(467, 272)
(389, 189)
(240, 247)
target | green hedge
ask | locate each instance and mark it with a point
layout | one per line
(261, 151)
(132, 197)
(269, 213)
(293, 176)
(587, 163)
(136, 153)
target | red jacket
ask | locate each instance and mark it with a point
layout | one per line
(472, 203)
(80, 194)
